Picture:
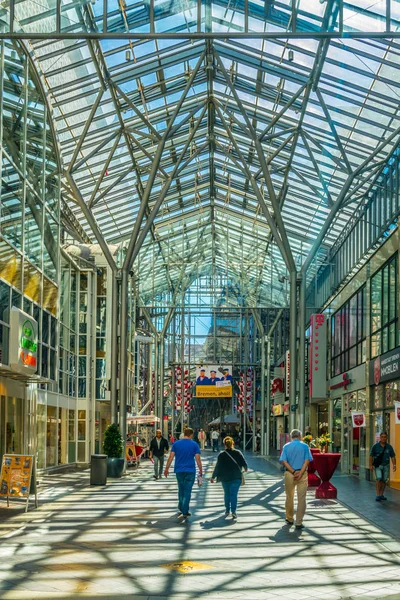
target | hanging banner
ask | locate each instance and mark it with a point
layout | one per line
(287, 374)
(358, 419)
(397, 412)
(318, 386)
(214, 381)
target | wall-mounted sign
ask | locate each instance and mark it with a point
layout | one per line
(287, 374)
(385, 367)
(23, 342)
(277, 410)
(341, 384)
(358, 419)
(318, 356)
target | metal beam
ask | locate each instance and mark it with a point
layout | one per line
(264, 167)
(338, 203)
(200, 35)
(152, 175)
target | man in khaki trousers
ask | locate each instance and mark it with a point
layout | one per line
(295, 457)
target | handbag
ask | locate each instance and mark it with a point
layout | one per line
(231, 457)
(378, 459)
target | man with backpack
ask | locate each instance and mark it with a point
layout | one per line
(379, 459)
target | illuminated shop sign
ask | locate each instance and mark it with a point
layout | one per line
(385, 367)
(318, 356)
(23, 342)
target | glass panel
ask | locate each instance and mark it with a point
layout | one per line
(10, 264)
(376, 302)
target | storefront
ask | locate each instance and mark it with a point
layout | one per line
(384, 379)
(348, 394)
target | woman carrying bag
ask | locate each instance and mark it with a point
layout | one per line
(228, 470)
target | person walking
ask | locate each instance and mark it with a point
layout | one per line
(158, 448)
(379, 459)
(214, 439)
(186, 453)
(295, 457)
(228, 470)
(202, 439)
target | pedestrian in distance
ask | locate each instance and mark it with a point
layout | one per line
(214, 439)
(295, 457)
(186, 453)
(228, 471)
(158, 449)
(202, 439)
(379, 460)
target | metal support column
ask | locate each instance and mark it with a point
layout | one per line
(182, 363)
(156, 386)
(267, 437)
(293, 349)
(123, 356)
(302, 355)
(114, 350)
(263, 399)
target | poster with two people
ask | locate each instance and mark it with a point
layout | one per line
(214, 381)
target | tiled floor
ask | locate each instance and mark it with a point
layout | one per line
(117, 542)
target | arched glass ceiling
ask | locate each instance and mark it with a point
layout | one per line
(223, 130)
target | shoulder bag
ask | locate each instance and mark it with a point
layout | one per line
(379, 458)
(231, 457)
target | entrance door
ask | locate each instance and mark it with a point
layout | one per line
(350, 448)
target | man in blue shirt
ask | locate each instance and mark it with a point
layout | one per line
(379, 459)
(296, 456)
(186, 453)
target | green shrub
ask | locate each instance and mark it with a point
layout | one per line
(113, 445)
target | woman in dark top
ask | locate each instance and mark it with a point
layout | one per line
(228, 471)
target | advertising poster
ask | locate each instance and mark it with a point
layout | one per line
(214, 381)
(397, 412)
(358, 419)
(16, 473)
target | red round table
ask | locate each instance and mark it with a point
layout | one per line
(326, 463)
(313, 479)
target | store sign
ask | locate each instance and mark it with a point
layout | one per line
(287, 374)
(318, 356)
(342, 384)
(358, 419)
(23, 342)
(385, 367)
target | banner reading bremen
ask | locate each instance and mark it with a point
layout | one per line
(214, 381)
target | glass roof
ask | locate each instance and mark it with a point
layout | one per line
(301, 115)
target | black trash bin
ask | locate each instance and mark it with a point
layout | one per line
(98, 469)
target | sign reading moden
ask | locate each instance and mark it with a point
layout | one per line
(23, 342)
(385, 367)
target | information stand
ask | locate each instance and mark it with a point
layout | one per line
(16, 478)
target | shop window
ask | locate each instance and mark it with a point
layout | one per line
(384, 319)
(348, 330)
(81, 435)
(4, 335)
(41, 420)
(71, 436)
(51, 436)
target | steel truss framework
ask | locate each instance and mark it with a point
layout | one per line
(235, 138)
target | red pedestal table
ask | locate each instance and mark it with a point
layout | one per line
(313, 479)
(326, 463)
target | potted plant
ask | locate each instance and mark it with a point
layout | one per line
(307, 439)
(114, 447)
(324, 442)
